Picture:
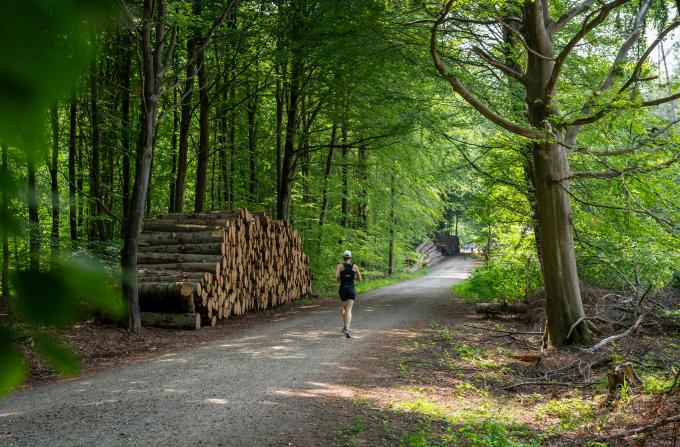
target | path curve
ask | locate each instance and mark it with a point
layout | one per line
(255, 388)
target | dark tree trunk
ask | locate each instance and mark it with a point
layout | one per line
(173, 168)
(390, 257)
(72, 210)
(153, 68)
(4, 214)
(251, 111)
(125, 122)
(185, 123)
(80, 176)
(95, 182)
(289, 156)
(279, 125)
(232, 137)
(327, 174)
(33, 223)
(344, 173)
(362, 206)
(54, 184)
(204, 134)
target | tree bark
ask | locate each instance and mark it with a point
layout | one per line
(96, 221)
(125, 122)
(204, 133)
(562, 291)
(54, 184)
(33, 223)
(72, 209)
(4, 214)
(344, 173)
(152, 74)
(173, 168)
(185, 123)
(327, 174)
(251, 111)
(289, 162)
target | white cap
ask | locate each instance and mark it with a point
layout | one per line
(347, 254)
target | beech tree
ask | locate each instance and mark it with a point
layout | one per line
(549, 37)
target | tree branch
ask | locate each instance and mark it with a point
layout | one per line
(501, 66)
(638, 67)
(471, 99)
(568, 15)
(588, 26)
(612, 173)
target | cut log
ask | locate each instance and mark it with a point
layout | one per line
(174, 238)
(165, 258)
(190, 320)
(206, 248)
(176, 227)
(501, 308)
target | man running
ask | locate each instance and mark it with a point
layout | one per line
(345, 274)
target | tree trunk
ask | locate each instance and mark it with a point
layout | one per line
(4, 214)
(185, 123)
(54, 184)
(251, 110)
(289, 156)
(563, 295)
(125, 122)
(173, 168)
(95, 182)
(362, 206)
(80, 177)
(72, 218)
(152, 73)
(34, 224)
(204, 134)
(390, 261)
(326, 175)
(344, 172)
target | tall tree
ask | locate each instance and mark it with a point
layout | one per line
(154, 64)
(549, 47)
(72, 217)
(54, 184)
(97, 222)
(4, 215)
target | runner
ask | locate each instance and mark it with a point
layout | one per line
(345, 274)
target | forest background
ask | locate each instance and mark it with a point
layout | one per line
(328, 114)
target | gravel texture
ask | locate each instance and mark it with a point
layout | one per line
(261, 386)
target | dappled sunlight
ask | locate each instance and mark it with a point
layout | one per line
(217, 401)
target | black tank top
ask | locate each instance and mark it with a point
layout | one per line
(347, 276)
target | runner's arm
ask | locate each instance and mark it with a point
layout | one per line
(356, 270)
(337, 273)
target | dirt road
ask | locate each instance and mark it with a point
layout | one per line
(258, 388)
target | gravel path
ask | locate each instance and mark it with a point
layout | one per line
(256, 388)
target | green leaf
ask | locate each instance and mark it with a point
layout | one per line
(12, 364)
(69, 293)
(62, 359)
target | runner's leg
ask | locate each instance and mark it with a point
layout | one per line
(347, 312)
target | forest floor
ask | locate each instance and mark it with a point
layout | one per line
(422, 370)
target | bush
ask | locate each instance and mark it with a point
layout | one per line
(500, 279)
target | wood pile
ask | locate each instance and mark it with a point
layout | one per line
(429, 252)
(201, 268)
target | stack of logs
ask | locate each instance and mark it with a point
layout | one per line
(201, 268)
(429, 252)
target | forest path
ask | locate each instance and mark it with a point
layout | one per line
(258, 387)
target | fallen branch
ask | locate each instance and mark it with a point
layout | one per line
(642, 429)
(582, 385)
(602, 343)
(502, 330)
